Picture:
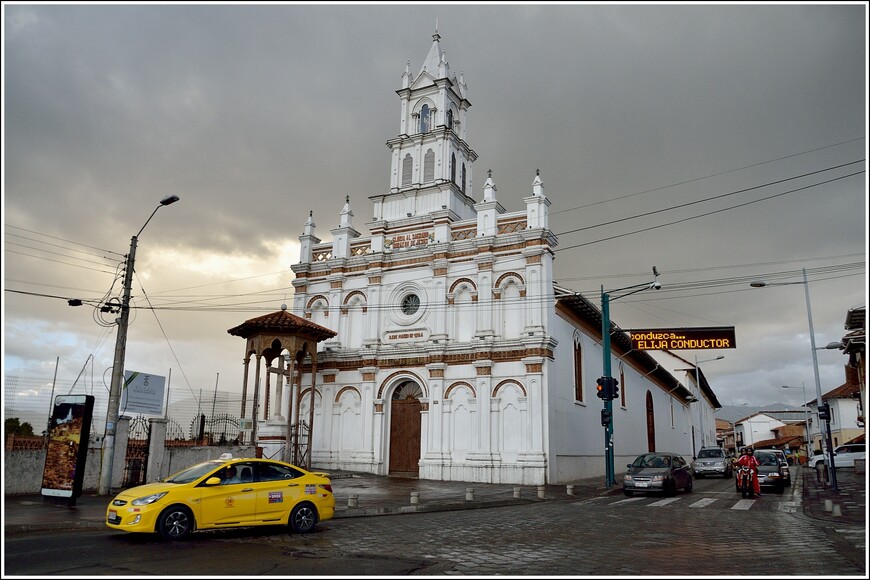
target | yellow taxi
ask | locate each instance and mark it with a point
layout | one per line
(225, 493)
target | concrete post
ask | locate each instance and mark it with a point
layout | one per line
(156, 450)
(122, 435)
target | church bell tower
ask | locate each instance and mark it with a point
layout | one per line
(431, 163)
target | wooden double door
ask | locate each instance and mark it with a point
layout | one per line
(405, 427)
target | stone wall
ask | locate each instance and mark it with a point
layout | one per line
(22, 470)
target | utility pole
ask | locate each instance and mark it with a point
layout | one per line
(610, 475)
(118, 365)
(608, 381)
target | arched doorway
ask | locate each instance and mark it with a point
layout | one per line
(650, 423)
(405, 427)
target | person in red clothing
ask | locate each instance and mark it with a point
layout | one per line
(749, 460)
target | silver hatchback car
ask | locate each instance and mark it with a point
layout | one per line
(657, 472)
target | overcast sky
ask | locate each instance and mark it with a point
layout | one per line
(256, 115)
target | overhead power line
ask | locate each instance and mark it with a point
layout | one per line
(706, 213)
(705, 177)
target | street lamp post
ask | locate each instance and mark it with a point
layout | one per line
(118, 364)
(606, 299)
(701, 395)
(829, 464)
(806, 414)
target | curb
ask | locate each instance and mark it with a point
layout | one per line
(341, 513)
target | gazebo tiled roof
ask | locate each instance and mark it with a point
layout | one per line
(281, 322)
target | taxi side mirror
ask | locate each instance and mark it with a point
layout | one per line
(213, 481)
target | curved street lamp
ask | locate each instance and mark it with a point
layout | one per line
(118, 365)
(806, 415)
(701, 395)
(829, 464)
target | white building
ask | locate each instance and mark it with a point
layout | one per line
(756, 427)
(455, 356)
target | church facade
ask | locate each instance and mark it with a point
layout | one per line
(456, 357)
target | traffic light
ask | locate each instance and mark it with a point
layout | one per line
(824, 412)
(605, 417)
(602, 388)
(607, 388)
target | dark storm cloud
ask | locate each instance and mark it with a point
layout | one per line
(256, 115)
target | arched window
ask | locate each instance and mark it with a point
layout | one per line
(463, 179)
(407, 168)
(429, 166)
(622, 384)
(424, 119)
(450, 119)
(578, 372)
(453, 167)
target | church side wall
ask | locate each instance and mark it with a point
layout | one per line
(577, 444)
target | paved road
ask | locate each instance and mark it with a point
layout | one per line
(606, 535)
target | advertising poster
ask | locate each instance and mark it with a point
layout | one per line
(142, 393)
(68, 433)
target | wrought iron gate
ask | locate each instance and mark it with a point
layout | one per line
(136, 459)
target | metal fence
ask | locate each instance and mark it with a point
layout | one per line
(209, 418)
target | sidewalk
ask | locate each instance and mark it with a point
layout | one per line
(381, 495)
(850, 501)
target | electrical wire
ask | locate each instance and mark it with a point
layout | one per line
(705, 214)
(705, 177)
(724, 195)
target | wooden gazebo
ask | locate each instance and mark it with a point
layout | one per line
(267, 337)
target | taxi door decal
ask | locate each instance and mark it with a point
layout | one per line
(276, 497)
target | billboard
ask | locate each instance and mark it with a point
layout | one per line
(142, 393)
(68, 431)
(702, 338)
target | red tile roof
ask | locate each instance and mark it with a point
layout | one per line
(281, 322)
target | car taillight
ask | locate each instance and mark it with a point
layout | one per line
(327, 487)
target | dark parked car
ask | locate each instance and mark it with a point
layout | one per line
(769, 471)
(658, 472)
(783, 468)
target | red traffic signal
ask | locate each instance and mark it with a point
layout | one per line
(601, 388)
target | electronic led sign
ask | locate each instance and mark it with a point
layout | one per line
(705, 338)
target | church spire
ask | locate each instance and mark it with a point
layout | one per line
(430, 154)
(435, 63)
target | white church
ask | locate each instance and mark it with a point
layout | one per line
(455, 356)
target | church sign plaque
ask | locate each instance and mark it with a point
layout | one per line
(409, 240)
(406, 335)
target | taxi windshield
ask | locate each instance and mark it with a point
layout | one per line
(193, 473)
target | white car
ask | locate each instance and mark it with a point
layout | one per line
(844, 456)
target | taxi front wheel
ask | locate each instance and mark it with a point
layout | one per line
(303, 517)
(175, 523)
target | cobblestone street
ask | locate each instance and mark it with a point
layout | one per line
(604, 536)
